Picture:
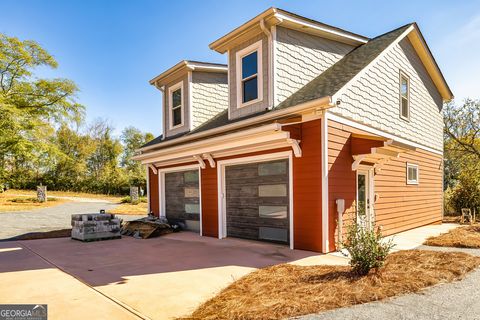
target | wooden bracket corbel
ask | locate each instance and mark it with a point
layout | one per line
(152, 167)
(210, 160)
(297, 151)
(200, 161)
(357, 161)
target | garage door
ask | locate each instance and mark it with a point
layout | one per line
(257, 201)
(182, 199)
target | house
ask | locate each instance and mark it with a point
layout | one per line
(307, 128)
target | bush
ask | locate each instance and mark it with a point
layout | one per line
(367, 248)
(29, 200)
(466, 194)
(127, 199)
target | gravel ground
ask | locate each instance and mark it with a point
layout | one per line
(456, 300)
(48, 219)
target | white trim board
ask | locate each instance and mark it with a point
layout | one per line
(161, 187)
(324, 168)
(148, 189)
(189, 104)
(172, 89)
(379, 132)
(239, 55)
(222, 217)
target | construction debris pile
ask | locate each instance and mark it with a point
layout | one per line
(148, 227)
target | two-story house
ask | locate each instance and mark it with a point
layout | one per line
(307, 128)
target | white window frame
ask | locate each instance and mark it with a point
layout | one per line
(412, 182)
(172, 89)
(257, 46)
(403, 75)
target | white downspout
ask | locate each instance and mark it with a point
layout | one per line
(270, 63)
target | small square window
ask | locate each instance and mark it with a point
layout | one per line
(404, 96)
(412, 173)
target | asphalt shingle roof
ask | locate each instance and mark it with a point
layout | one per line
(326, 84)
(337, 76)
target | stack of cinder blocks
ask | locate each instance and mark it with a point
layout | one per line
(95, 226)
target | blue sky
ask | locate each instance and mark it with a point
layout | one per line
(112, 48)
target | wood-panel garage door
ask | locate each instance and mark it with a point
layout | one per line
(257, 201)
(182, 199)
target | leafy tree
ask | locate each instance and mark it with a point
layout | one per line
(462, 154)
(30, 107)
(43, 137)
(133, 139)
(103, 164)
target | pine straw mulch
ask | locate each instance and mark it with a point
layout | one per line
(462, 237)
(286, 290)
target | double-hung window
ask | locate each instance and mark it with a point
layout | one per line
(404, 96)
(249, 74)
(412, 173)
(176, 105)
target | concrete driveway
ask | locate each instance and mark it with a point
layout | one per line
(52, 218)
(169, 276)
(159, 278)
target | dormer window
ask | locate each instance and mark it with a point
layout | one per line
(404, 96)
(176, 105)
(249, 75)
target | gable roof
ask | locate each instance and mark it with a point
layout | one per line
(280, 17)
(343, 71)
(191, 65)
(337, 76)
(331, 81)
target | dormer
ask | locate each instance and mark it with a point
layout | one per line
(275, 54)
(193, 93)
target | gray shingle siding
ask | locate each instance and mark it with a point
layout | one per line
(373, 98)
(301, 57)
(209, 96)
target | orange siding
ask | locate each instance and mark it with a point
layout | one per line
(209, 193)
(153, 192)
(307, 190)
(402, 207)
(341, 178)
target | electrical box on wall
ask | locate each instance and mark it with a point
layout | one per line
(340, 205)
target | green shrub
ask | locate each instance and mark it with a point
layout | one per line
(127, 199)
(466, 194)
(29, 200)
(367, 248)
(24, 200)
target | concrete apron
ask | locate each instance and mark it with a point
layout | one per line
(159, 278)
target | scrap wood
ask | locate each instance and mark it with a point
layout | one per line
(146, 229)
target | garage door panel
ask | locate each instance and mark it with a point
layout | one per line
(182, 198)
(257, 201)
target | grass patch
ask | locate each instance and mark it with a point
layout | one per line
(462, 237)
(28, 200)
(10, 202)
(128, 199)
(286, 290)
(132, 209)
(73, 194)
